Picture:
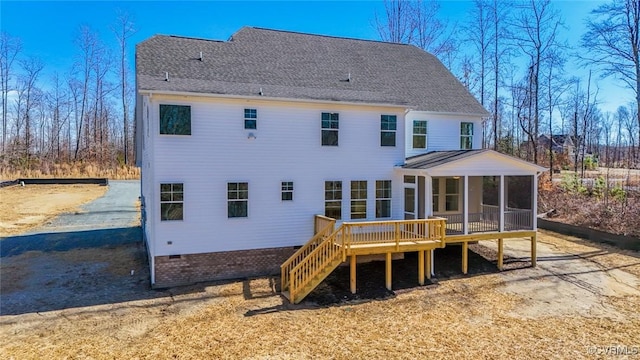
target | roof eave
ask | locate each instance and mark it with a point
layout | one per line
(268, 98)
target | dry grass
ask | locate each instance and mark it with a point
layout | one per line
(26, 207)
(460, 319)
(74, 170)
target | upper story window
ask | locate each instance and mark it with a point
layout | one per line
(287, 190)
(330, 124)
(250, 118)
(419, 134)
(237, 199)
(171, 201)
(466, 136)
(388, 130)
(175, 119)
(333, 199)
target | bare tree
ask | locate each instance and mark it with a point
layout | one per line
(124, 30)
(31, 68)
(10, 47)
(416, 23)
(535, 31)
(613, 43)
(87, 43)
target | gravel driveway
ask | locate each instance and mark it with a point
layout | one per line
(108, 221)
(91, 257)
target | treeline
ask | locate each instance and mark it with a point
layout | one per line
(512, 55)
(83, 116)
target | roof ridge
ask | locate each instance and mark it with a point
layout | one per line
(189, 38)
(324, 36)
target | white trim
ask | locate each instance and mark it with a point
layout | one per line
(465, 206)
(268, 98)
(534, 208)
(501, 228)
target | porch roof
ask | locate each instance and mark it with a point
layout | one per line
(482, 162)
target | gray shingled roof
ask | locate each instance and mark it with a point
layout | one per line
(303, 66)
(437, 158)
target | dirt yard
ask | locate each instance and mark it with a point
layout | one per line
(581, 301)
(26, 207)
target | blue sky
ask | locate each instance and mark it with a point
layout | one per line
(48, 28)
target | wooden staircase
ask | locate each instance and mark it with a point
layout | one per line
(313, 262)
(329, 247)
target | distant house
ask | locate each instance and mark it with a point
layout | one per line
(243, 142)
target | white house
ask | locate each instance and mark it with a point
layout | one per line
(242, 142)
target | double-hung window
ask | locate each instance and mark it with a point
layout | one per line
(250, 119)
(383, 199)
(175, 119)
(388, 130)
(466, 136)
(330, 125)
(333, 199)
(452, 195)
(237, 199)
(287, 190)
(358, 199)
(419, 134)
(171, 201)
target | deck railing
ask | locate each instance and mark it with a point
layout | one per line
(324, 226)
(328, 247)
(316, 262)
(393, 231)
(320, 222)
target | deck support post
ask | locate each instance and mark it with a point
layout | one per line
(421, 267)
(352, 274)
(534, 255)
(500, 253)
(429, 263)
(388, 270)
(465, 255)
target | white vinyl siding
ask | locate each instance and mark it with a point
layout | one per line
(443, 132)
(288, 149)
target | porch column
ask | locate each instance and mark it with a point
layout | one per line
(534, 203)
(465, 205)
(501, 228)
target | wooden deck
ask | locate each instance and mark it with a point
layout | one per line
(330, 247)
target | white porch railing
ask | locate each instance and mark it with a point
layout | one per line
(489, 220)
